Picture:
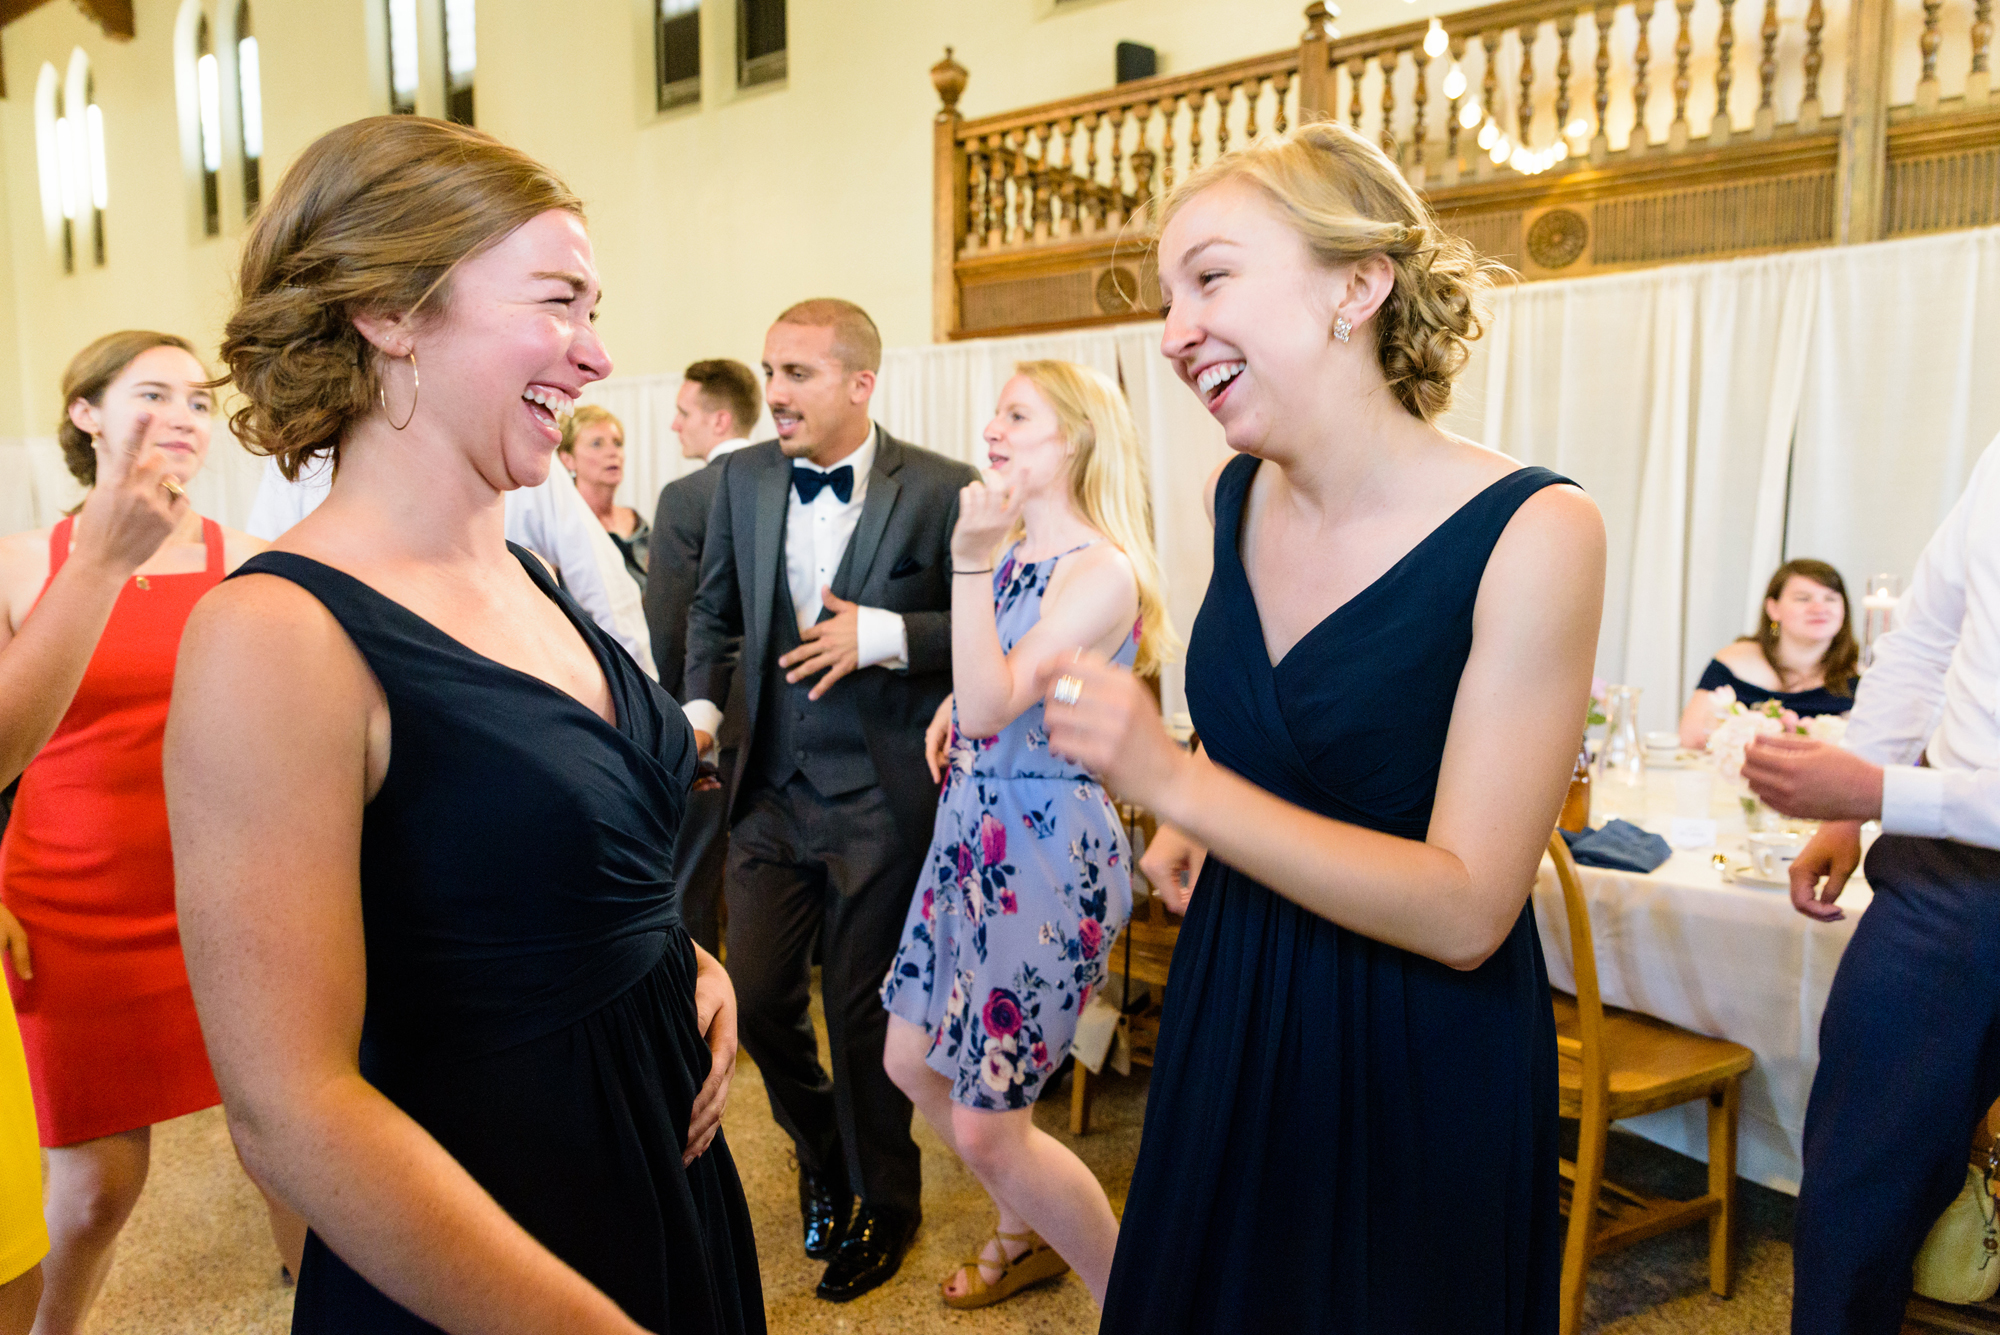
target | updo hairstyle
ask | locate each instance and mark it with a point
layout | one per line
(1343, 195)
(371, 219)
(89, 374)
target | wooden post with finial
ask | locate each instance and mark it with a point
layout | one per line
(949, 202)
(1316, 90)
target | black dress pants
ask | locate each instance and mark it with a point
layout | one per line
(1909, 1062)
(803, 866)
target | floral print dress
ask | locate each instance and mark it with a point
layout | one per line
(1027, 884)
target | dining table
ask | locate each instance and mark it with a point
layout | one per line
(1691, 944)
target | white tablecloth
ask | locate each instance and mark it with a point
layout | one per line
(1726, 960)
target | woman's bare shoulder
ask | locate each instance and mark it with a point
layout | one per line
(1743, 657)
(27, 546)
(238, 547)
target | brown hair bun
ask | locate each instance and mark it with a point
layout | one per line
(373, 217)
(1348, 201)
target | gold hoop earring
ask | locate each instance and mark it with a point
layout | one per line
(416, 387)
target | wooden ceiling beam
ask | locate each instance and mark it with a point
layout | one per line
(113, 16)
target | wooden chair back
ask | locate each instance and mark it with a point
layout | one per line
(1589, 1046)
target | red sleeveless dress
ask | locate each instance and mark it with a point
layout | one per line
(108, 1020)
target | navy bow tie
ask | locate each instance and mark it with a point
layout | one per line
(810, 481)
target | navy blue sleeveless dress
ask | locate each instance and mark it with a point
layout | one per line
(530, 987)
(1342, 1136)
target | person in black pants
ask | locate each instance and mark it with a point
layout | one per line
(826, 577)
(1910, 1042)
(713, 413)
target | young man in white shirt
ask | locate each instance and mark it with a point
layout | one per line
(1910, 1042)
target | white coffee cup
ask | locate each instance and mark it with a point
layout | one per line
(1771, 853)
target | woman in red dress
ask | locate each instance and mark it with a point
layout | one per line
(86, 871)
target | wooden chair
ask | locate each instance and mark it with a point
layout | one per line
(1616, 1064)
(1142, 954)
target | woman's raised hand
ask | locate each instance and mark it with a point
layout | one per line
(129, 511)
(987, 513)
(1101, 717)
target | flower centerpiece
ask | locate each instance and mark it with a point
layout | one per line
(1738, 724)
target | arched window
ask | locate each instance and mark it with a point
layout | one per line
(69, 144)
(461, 60)
(208, 121)
(402, 27)
(249, 108)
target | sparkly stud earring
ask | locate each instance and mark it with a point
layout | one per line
(1341, 329)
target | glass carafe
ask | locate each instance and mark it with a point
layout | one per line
(1620, 790)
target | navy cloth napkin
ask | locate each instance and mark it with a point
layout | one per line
(1620, 846)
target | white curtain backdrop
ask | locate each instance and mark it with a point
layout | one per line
(1725, 416)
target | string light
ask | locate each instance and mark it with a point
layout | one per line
(1488, 133)
(1469, 114)
(1500, 150)
(1578, 128)
(1435, 40)
(1454, 83)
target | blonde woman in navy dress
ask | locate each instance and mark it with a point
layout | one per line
(1387, 674)
(1029, 878)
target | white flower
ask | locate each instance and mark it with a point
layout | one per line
(998, 1067)
(1738, 726)
(1828, 728)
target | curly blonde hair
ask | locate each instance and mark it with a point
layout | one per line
(1343, 195)
(371, 219)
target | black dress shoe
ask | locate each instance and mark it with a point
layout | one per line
(872, 1252)
(825, 1207)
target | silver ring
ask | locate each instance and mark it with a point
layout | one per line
(1068, 690)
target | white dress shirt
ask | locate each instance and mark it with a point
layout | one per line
(1933, 691)
(816, 537)
(551, 520)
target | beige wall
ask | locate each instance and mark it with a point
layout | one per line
(707, 220)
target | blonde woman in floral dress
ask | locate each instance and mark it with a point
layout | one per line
(1029, 876)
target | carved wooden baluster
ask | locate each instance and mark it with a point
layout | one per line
(1642, 55)
(1045, 183)
(1224, 105)
(1024, 186)
(1118, 166)
(1418, 96)
(1979, 84)
(1065, 188)
(1767, 68)
(1451, 124)
(975, 195)
(1194, 128)
(1725, 73)
(1355, 70)
(996, 191)
(1927, 86)
(1565, 26)
(1683, 49)
(1250, 107)
(1490, 81)
(1814, 60)
(1601, 96)
(1169, 115)
(1387, 62)
(1282, 88)
(1528, 33)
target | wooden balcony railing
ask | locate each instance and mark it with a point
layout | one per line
(1560, 137)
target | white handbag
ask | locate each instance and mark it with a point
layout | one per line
(1960, 1260)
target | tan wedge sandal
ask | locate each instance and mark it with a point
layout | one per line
(1032, 1266)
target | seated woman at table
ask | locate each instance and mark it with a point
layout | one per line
(1803, 655)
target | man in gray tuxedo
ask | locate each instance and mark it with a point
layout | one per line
(826, 579)
(713, 415)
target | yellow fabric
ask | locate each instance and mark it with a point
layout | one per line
(24, 1238)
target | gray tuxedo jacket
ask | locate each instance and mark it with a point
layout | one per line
(898, 560)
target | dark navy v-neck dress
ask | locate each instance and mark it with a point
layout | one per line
(1342, 1136)
(530, 987)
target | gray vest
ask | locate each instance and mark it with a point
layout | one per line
(821, 739)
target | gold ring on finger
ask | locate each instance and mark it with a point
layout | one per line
(1068, 690)
(174, 488)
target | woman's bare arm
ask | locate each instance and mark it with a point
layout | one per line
(276, 738)
(1092, 604)
(1454, 896)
